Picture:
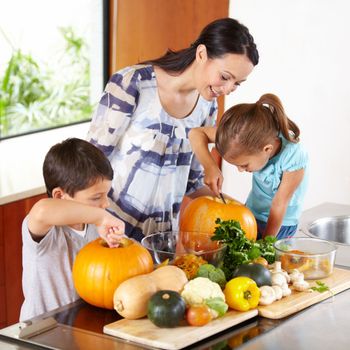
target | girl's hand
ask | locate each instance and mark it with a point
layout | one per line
(213, 179)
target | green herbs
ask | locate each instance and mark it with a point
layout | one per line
(241, 250)
(321, 287)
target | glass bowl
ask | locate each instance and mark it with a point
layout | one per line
(170, 244)
(313, 257)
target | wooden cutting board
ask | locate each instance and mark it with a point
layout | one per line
(144, 332)
(337, 282)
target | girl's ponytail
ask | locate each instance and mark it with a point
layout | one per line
(282, 122)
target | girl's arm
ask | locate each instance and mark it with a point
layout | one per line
(50, 212)
(289, 183)
(200, 138)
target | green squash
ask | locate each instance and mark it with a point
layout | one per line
(260, 274)
(166, 309)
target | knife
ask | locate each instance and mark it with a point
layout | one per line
(222, 197)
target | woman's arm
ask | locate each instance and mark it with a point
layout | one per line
(289, 183)
(200, 138)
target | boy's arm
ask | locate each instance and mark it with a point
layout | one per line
(289, 183)
(200, 138)
(50, 212)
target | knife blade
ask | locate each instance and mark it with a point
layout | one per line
(222, 197)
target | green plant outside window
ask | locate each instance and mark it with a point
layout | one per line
(36, 96)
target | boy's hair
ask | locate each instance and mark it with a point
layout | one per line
(250, 126)
(74, 165)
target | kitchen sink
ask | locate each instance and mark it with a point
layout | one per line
(332, 228)
(331, 222)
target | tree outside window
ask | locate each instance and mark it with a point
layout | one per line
(51, 74)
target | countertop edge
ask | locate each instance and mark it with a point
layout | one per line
(22, 195)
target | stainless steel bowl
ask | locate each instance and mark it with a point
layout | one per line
(332, 228)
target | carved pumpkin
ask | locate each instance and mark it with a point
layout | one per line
(98, 270)
(201, 213)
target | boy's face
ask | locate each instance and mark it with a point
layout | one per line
(95, 195)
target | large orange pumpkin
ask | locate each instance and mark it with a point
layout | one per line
(201, 213)
(98, 270)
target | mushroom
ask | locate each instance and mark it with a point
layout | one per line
(278, 292)
(277, 268)
(298, 281)
(301, 285)
(296, 275)
(278, 276)
(267, 295)
(278, 279)
(286, 290)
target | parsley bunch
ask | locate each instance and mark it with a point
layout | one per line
(241, 250)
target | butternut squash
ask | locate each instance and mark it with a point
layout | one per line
(169, 277)
(131, 297)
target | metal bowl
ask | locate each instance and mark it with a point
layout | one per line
(314, 257)
(168, 245)
(332, 228)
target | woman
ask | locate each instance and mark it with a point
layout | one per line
(146, 112)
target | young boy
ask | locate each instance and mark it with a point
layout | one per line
(78, 178)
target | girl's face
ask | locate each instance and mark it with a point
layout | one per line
(250, 162)
(220, 76)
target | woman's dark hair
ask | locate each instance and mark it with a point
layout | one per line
(220, 37)
(251, 126)
(74, 165)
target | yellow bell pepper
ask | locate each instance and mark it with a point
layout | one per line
(242, 294)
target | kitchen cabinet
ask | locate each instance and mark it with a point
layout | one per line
(11, 296)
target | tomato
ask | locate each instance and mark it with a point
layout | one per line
(198, 315)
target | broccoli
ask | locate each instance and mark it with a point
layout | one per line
(215, 274)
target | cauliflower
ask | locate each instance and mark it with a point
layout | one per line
(200, 289)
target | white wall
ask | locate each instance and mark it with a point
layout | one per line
(21, 158)
(305, 60)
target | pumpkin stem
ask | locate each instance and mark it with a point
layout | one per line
(165, 296)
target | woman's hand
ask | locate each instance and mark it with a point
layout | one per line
(213, 178)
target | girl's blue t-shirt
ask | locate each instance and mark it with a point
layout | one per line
(291, 157)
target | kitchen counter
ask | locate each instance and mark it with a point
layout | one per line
(322, 326)
(80, 327)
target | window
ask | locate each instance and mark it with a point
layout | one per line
(53, 63)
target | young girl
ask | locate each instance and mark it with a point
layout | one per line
(261, 139)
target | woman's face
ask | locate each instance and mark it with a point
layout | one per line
(220, 76)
